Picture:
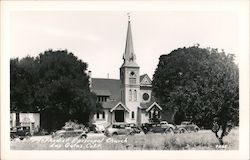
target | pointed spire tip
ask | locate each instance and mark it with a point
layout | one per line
(128, 16)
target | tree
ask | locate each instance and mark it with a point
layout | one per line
(54, 84)
(23, 78)
(202, 83)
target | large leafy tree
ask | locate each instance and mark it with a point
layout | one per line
(54, 84)
(199, 84)
(23, 84)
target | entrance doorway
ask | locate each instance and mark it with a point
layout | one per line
(119, 115)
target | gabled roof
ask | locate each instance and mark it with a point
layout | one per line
(142, 77)
(152, 105)
(100, 92)
(145, 80)
(106, 87)
(117, 105)
(146, 105)
(109, 104)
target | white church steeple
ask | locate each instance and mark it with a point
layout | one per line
(129, 55)
(130, 79)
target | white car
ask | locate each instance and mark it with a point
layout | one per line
(169, 127)
(99, 127)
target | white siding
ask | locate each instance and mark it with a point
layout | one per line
(144, 117)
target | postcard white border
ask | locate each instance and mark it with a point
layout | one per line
(241, 7)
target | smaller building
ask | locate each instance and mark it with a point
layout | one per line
(26, 119)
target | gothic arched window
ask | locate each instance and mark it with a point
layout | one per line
(135, 95)
(133, 115)
(130, 95)
(103, 115)
(97, 115)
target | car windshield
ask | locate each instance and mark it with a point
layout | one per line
(185, 123)
(67, 128)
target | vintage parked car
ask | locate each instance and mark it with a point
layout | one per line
(66, 132)
(97, 128)
(119, 129)
(136, 128)
(187, 126)
(20, 132)
(168, 126)
(157, 128)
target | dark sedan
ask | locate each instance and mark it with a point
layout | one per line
(66, 132)
(154, 128)
(187, 126)
(20, 132)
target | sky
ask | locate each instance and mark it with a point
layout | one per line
(98, 37)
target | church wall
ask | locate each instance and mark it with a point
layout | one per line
(144, 116)
(127, 116)
(130, 100)
(101, 119)
(142, 91)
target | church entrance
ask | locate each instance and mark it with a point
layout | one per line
(119, 115)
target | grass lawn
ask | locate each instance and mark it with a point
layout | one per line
(203, 140)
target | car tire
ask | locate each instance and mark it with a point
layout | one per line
(132, 133)
(196, 130)
(83, 136)
(12, 137)
(171, 130)
(61, 136)
(114, 134)
(182, 130)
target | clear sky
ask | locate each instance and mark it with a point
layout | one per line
(98, 38)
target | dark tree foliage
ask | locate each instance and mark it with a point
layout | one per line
(54, 84)
(23, 84)
(204, 83)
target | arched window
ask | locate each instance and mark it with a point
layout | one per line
(97, 115)
(130, 95)
(103, 115)
(133, 115)
(159, 114)
(135, 95)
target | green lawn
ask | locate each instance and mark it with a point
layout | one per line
(203, 140)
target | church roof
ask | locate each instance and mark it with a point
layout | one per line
(142, 76)
(107, 87)
(109, 104)
(146, 105)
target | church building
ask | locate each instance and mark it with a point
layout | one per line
(128, 99)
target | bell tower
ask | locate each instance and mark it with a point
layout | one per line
(130, 78)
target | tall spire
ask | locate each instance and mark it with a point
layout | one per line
(129, 56)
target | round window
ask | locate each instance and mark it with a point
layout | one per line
(145, 96)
